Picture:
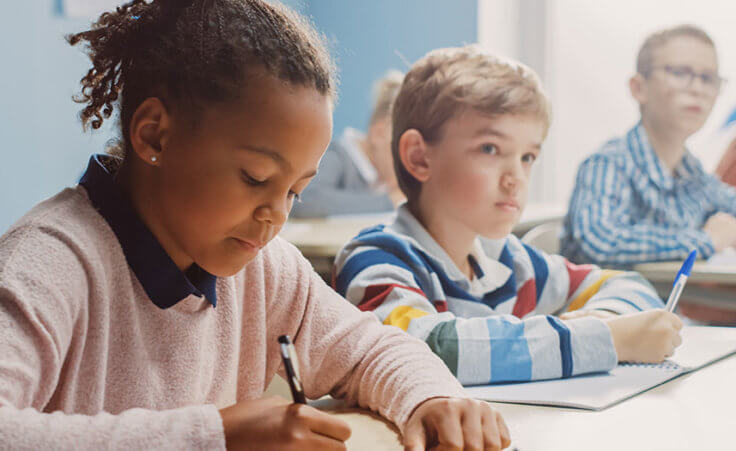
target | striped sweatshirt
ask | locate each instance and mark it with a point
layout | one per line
(501, 325)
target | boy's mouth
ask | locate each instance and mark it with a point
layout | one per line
(508, 205)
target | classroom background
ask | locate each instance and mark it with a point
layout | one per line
(584, 51)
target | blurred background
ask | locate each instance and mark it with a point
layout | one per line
(584, 52)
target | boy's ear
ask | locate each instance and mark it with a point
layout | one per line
(413, 154)
(149, 130)
(638, 88)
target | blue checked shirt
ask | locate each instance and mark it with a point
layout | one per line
(627, 208)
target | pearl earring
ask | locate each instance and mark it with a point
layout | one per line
(154, 158)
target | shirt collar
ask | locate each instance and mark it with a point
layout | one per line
(161, 279)
(647, 159)
(490, 273)
(350, 140)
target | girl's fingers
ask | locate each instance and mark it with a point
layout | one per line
(323, 423)
(449, 432)
(493, 424)
(472, 424)
(415, 436)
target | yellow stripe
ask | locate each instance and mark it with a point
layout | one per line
(401, 316)
(591, 290)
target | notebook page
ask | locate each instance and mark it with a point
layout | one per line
(593, 391)
(701, 345)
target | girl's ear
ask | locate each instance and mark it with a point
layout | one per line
(150, 128)
(413, 154)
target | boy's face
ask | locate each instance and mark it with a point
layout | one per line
(226, 187)
(667, 98)
(480, 170)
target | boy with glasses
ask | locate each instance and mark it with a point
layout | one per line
(644, 197)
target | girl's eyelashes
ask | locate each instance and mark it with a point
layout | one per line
(529, 158)
(250, 180)
(295, 197)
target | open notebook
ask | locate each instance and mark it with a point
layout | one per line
(700, 346)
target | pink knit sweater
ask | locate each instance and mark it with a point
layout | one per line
(87, 361)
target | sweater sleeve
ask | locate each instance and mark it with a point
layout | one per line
(349, 354)
(43, 292)
(483, 349)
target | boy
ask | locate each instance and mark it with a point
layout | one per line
(644, 197)
(466, 129)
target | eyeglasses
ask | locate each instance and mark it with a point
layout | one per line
(683, 76)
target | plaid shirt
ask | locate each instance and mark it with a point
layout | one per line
(627, 208)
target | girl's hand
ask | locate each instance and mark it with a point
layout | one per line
(275, 424)
(455, 423)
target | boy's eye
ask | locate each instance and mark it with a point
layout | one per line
(529, 158)
(490, 149)
(250, 180)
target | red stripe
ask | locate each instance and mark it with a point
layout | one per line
(577, 275)
(525, 299)
(440, 306)
(376, 294)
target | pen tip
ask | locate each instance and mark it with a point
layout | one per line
(284, 339)
(690, 262)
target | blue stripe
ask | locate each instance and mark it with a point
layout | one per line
(363, 260)
(510, 356)
(508, 290)
(565, 345)
(541, 271)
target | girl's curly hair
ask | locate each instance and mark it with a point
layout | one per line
(190, 53)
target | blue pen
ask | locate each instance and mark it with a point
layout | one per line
(680, 280)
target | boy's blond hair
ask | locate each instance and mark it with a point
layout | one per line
(645, 58)
(384, 93)
(445, 83)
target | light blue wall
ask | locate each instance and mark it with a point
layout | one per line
(43, 149)
(370, 37)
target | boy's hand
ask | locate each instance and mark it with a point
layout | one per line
(721, 228)
(455, 423)
(580, 313)
(275, 424)
(645, 337)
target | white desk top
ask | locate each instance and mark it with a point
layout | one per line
(702, 272)
(693, 412)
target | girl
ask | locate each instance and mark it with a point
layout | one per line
(137, 304)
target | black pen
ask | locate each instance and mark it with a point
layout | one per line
(291, 366)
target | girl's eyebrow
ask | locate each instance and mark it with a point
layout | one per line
(277, 157)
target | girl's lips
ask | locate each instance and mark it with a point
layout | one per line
(250, 244)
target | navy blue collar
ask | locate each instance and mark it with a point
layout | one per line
(161, 279)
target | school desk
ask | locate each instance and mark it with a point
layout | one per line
(321, 239)
(693, 412)
(710, 293)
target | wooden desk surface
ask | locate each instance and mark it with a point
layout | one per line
(694, 412)
(325, 237)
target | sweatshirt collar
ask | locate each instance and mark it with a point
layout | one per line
(161, 279)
